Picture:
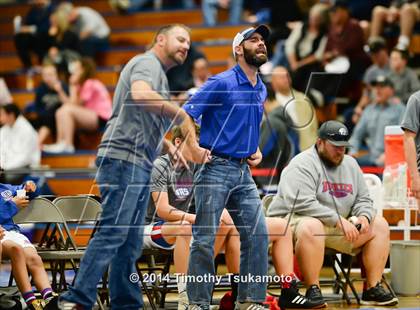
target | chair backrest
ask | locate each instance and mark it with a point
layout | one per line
(40, 210)
(376, 191)
(81, 208)
(43, 210)
(84, 210)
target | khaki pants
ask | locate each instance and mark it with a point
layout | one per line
(334, 237)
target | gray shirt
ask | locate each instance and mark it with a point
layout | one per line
(133, 133)
(411, 120)
(92, 21)
(405, 83)
(373, 72)
(320, 191)
(178, 183)
(371, 127)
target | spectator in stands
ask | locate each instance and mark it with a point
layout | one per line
(319, 191)
(61, 35)
(371, 126)
(91, 27)
(209, 9)
(31, 34)
(49, 96)
(380, 66)
(88, 107)
(171, 214)
(275, 143)
(345, 39)
(404, 12)
(5, 96)
(22, 254)
(180, 77)
(18, 143)
(306, 44)
(298, 107)
(405, 80)
(411, 127)
(200, 71)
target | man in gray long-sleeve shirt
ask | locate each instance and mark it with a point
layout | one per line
(319, 190)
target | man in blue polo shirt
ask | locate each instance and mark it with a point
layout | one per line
(231, 107)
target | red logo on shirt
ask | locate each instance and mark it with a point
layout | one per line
(337, 190)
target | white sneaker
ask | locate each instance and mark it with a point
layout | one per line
(59, 147)
(182, 301)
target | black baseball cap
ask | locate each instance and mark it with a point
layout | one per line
(376, 44)
(382, 80)
(335, 132)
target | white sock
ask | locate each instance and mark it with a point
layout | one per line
(182, 285)
(403, 41)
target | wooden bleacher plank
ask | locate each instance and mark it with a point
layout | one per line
(117, 57)
(102, 6)
(11, 10)
(6, 27)
(73, 186)
(159, 18)
(216, 52)
(69, 161)
(21, 99)
(9, 63)
(7, 45)
(217, 68)
(154, 19)
(108, 76)
(199, 34)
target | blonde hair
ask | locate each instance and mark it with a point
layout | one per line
(165, 29)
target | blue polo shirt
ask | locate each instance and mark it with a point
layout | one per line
(231, 110)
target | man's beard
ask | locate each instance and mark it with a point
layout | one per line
(328, 162)
(252, 59)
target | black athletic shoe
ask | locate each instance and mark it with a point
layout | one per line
(35, 305)
(313, 293)
(377, 296)
(52, 303)
(291, 298)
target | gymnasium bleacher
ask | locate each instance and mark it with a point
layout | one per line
(129, 36)
(74, 174)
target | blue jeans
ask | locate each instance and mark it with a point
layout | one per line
(218, 184)
(209, 9)
(118, 241)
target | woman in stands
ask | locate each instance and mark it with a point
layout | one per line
(87, 107)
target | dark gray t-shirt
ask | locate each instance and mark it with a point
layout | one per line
(178, 183)
(411, 120)
(133, 133)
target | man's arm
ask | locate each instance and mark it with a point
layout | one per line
(142, 93)
(411, 158)
(167, 212)
(191, 149)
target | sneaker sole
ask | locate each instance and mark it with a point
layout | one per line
(324, 305)
(391, 302)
